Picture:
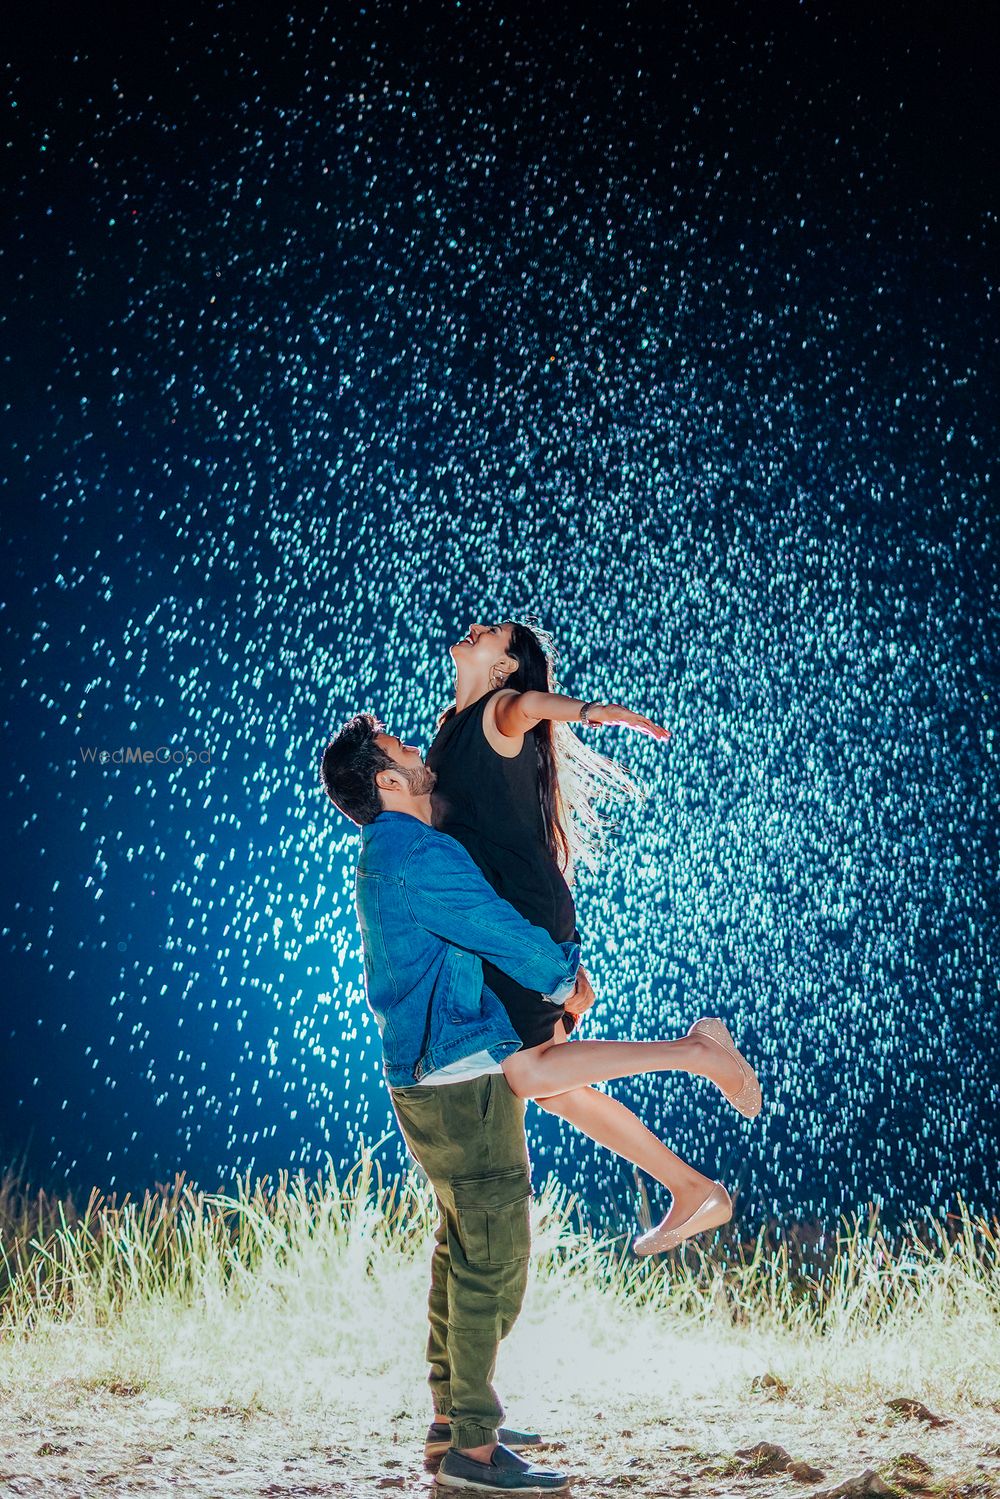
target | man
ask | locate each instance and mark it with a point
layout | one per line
(428, 918)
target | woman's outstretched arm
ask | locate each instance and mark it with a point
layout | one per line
(517, 712)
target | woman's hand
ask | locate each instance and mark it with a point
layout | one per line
(615, 713)
(583, 995)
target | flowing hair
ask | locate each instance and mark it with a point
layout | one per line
(571, 776)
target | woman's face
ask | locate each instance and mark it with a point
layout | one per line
(484, 645)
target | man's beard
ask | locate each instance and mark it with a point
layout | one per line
(421, 781)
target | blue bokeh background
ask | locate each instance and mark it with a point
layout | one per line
(329, 333)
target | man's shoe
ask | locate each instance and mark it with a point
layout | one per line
(439, 1439)
(505, 1473)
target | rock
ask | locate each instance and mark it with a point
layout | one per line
(805, 1472)
(910, 1471)
(913, 1462)
(765, 1458)
(867, 1482)
(907, 1407)
(769, 1382)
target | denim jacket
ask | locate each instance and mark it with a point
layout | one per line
(427, 917)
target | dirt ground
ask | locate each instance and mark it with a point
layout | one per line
(72, 1440)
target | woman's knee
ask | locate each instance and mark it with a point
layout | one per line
(520, 1075)
(550, 1105)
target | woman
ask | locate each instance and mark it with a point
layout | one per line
(516, 787)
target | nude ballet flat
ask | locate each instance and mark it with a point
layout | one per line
(746, 1100)
(713, 1212)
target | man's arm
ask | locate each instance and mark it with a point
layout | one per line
(449, 896)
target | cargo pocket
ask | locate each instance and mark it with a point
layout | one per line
(493, 1215)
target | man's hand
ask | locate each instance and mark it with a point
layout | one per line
(583, 995)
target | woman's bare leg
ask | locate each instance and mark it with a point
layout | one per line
(614, 1126)
(550, 1069)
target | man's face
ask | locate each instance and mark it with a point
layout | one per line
(409, 762)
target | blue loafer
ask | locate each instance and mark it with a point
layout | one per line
(439, 1439)
(505, 1473)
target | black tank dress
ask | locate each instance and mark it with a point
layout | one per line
(490, 804)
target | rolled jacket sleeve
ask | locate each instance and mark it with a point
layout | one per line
(447, 894)
(572, 951)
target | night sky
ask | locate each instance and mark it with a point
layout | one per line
(327, 332)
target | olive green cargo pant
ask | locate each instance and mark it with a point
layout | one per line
(469, 1138)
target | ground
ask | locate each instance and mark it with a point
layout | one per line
(650, 1424)
(167, 1358)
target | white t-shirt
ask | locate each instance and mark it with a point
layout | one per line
(461, 1071)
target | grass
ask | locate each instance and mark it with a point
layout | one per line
(183, 1245)
(304, 1301)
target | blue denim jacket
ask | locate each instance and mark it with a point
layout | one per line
(427, 917)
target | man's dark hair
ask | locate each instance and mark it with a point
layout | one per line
(350, 764)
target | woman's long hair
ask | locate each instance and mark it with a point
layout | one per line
(571, 776)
